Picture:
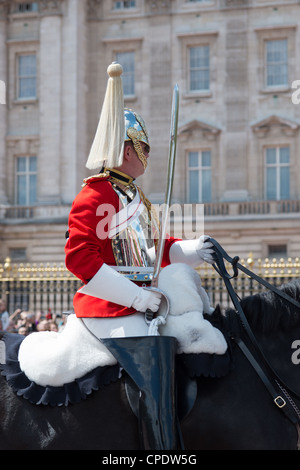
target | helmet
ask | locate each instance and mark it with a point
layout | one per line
(135, 131)
(135, 127)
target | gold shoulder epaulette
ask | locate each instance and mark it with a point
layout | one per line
(93, 178)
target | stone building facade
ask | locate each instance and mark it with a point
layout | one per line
(236, 62)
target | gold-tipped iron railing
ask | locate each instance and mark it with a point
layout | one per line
(37, 287)
(275, 271)
(42, 287)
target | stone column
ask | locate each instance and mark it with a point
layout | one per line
(50, 109)
(236, 102)
(74, 153)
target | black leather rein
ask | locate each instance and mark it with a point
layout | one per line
(261, 365)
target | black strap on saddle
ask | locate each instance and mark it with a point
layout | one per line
(266, 373)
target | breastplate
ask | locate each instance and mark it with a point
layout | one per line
(134, 234)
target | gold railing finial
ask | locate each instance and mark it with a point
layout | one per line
(7, 264)
(250, 260)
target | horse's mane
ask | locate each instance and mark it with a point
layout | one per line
(267, 311)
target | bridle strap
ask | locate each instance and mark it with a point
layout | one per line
(278, 399)
(219, 266)
(221, 253)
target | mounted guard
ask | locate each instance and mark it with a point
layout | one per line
(115, 248)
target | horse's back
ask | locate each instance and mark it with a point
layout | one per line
(102, 421)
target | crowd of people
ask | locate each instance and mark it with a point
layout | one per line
(26, 322)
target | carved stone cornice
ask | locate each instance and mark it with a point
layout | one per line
(287, 126)
(209, 131)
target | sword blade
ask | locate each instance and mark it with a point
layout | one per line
(170, 178)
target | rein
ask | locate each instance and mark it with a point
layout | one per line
(268, 376)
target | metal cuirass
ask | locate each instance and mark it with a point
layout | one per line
(134, 233)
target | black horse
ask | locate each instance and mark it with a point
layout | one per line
(231, 412)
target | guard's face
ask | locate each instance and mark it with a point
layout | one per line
(132, 164)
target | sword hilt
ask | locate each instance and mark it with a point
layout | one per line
(163, 308)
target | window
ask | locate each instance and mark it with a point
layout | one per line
(276, 63)
(277, 251)
(126, 59)
(199, 176)
(26, 76)
(26, 181)
(124, 4)
(199, 68)
(26, 7)
(17, 254)
(277, 173)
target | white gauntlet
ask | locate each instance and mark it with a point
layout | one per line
(108, 284)
(193, 252)
(147, 299)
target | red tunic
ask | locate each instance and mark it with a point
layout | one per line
(88, 245)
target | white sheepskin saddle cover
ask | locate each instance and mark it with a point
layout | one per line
(54, 359)
(188, 301)
(51, 358)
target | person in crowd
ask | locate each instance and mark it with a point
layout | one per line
(4, 315)
(23, 330)
(43, 325)
(52, 325)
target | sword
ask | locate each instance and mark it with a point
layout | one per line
(165, 215)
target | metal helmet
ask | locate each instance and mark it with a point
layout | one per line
(136, 132)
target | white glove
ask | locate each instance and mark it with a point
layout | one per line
(192, 252)
(147, 299)
(108, 284)
(205, 249)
